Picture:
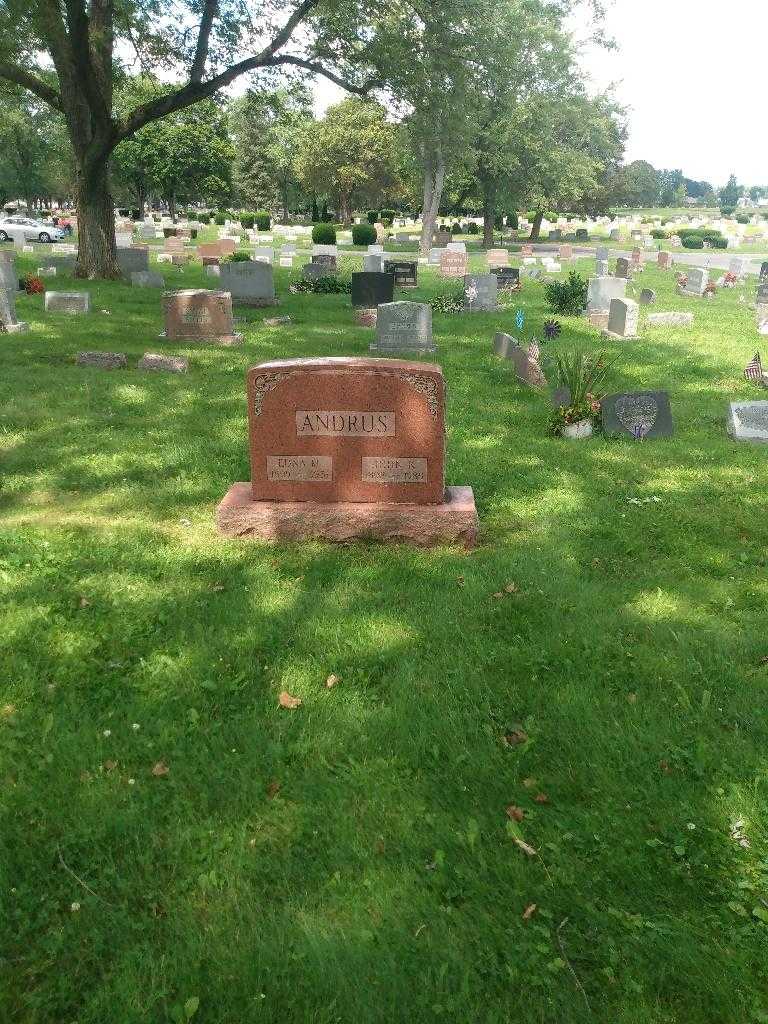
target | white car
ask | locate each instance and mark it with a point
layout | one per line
(28, 229)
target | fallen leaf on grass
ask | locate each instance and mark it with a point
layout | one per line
(529, 850)
(529, 911)
(289, 702)
(515, 813)
(7, 710)
(217, 588)
(511, 588)
(331, 681)
(273, 788)
(460, 581)
(541, 798)
(515, 737)
(529, 782)
(498, 594)
(110, 766)
(764, 660)
(160, 769)
(664, 766)
(83, 602)
(632, 698)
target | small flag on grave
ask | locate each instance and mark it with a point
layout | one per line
(754, 368)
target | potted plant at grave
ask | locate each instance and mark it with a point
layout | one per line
(580, 379)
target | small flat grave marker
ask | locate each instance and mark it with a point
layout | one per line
(639, 415)
(199, 315)
(67, 302)
(103, 360)
(404, 271)
(748, 421)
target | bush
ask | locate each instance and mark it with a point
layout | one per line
(388, 214)
(237, 257)
(583, 375)
(455, 228)
(719, 243)
(692, 242)
(263, 220)
(742, 218)
(567, 297)
(727, 211)
(363, 234)
(659, 233)
(513, 221)
(247, 220)
(373, 216)
(136, 215)
(324, 234)
(324, 286)
(219, 219)
(473, 229)
(204, 218)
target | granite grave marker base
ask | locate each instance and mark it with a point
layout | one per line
(669, 319)
(639, 415)
(453, 521)
(103, 360)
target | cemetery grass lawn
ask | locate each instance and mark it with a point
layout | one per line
(352, 860)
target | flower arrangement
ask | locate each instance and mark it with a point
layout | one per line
(33, 285)
(580, 377)
(710, 291)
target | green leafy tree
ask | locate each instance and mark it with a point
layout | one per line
(637, 184)
(205, 43)
(35, 158)
(350, 153)
(731, 193)
(268, 128)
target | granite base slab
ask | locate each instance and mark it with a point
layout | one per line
(454, 521)
(224, 340)
(607, 335)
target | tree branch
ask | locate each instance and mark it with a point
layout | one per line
(20, 77)
(210, 11)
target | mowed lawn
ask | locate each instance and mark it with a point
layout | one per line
(169, 834)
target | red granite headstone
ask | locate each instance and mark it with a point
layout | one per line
(199, 315)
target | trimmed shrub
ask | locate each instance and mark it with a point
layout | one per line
(247, 220)
(373, 216)
(363, 234)
(219, 219)
(239, 256)
(742, 218)
(263, 220)
(569, 298)
(455, 228)
(659, 233)
(727, 211)
(204, 218)
(324, 286)
(387, 216)
(473, 229)
(324, 234)
(513, 221)
(719, 243)
(692, 242)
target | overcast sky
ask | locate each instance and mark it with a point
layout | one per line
(694, 74)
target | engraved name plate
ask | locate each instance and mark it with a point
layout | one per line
(384, 470)
(307, 468)
(322, 423)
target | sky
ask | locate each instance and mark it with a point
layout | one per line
(694, 75)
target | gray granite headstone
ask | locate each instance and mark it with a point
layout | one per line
(132, 259)
(748, 421)
(250, 283)
(148, 279)
(622, 318)
(602, 269)
(602, 254)
(373, 263)
(371, 289)
(403, 327)
(324, 259)
(527, 370)
(640, 415)
(647, 297)
(67, 302)
(555, 235)
(313, 271)
(8, 319)
(764, 271)
(762, 294)
(582, 235)
(698, 279)
(481, 293)
(622, 267)
(9, 277)
(600, 291)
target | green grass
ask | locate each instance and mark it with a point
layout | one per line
(381, 882)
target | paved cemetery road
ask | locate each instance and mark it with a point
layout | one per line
(714, 258)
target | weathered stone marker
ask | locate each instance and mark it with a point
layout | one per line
(199, 315)
(638, 415)
(67, 302)
(249, 282)
(403, 327)
(345, 448)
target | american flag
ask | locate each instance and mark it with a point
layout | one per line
(754, 368)
(534, 352)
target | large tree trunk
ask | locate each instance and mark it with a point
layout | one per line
(536, 226)
(345, 211)
(489, 212)
(96, 254)
(434, 179)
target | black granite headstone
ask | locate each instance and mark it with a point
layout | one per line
(764, 271)
(508, 278)
(639, 414)
(404, 272)
(370, 288)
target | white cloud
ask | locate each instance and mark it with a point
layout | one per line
(693, 73)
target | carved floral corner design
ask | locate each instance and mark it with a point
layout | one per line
(262, 385)
(427, 387)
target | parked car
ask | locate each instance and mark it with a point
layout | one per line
(30, 230)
